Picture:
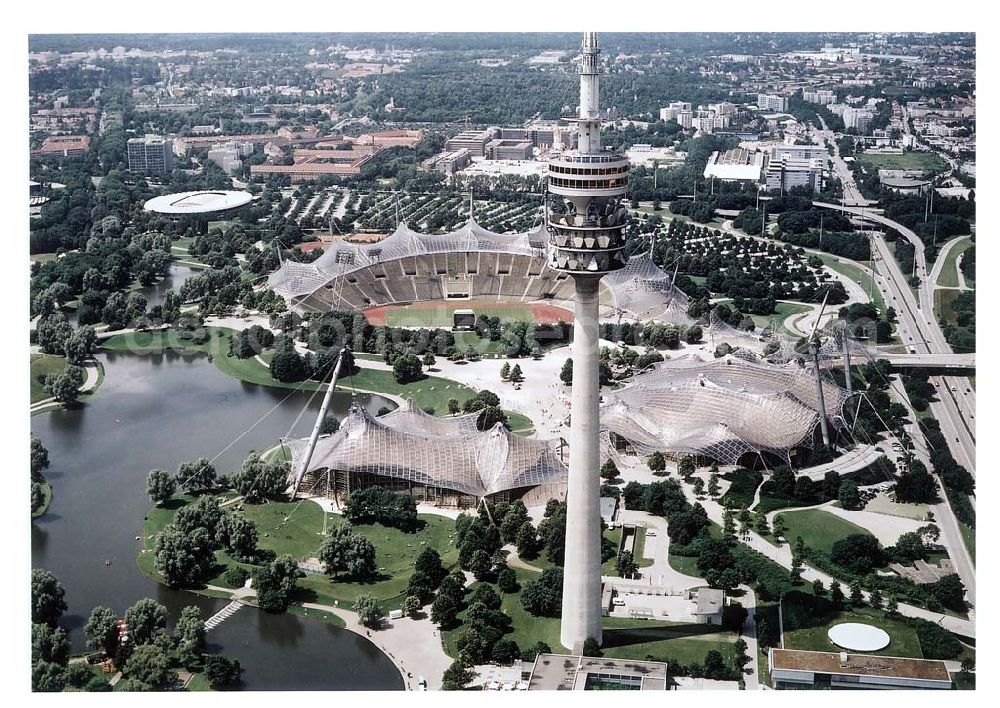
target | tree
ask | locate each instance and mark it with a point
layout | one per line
(779, 527)
(444, 611)
(857, 599)
(713, 487)
(411, 606)
(715, 667)
(287, 365)
(456, 677)
(831, 484)
(160, 486)
(849, 496)
(47, 597)
(275, 583)
(407, 368)
(184, 557)
(591, 647)
(429, 563)
(49, 644)
(507, 581)
(65, 387)
(47, 677)
(527, 541)
(39, 459)
(505, 371)
(505, 652)
(480, 565)
(566, 373)
(760, 524)
(656, 462)
(686, 467)
(516, 375)
(490, 416)
(836, 595)
(148, 669)
(370, 612)
(543, 597)
(609, 470)
(909, 546)
(626, 565)
(429, 359)
(875, 598)
(950, 592)
(190, 629)
(145, 620)
(195, 477)
(859, 553)
(698, 486)
(101, 630)
(241, 537)
(891, 607)
(258, 480)
(453, 406)
(330, 425)
(379, 505)
(917, 486)
(347, 554)
(222, 672)
(693, 334)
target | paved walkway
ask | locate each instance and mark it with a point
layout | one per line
(93, 374)
(414, 646)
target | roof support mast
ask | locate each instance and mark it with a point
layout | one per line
(319, 423)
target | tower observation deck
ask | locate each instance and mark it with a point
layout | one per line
(586, 240)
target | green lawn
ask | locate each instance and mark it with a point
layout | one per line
(296, 529)
(609, 567)
(807, 620)
(928, 161)
(819, 529)
(949, 276)
(43, 257)
(623, 637)
(859, 275)
(442, 314)
(969, 536)
(626, 638)
(429, 392)
(943, 300)
(42, 364)
(782, 310)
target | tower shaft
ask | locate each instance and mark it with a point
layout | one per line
(581, 610)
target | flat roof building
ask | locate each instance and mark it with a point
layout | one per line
(474, 141)
(770, 102)
(63, 145)
(562, 672)
(509, 150)
(737, 165)
(151, 154)
(792, 668)
(448, 162)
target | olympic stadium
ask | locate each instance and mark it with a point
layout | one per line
(758, 400)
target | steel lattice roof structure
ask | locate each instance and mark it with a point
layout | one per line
(720, 409)
(412, 445)
(409, 266)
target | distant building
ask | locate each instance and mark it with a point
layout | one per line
(823, 97)
(448, 162)
(63, 145)
(769, 102)
(684, 119)
(784, 172)
(230, 155)
(792, 668)
(858, 118)
(672, 111)
(707, 605)
(802, 152)
(508, 150)
(474, 141)
(737, 165)
(152, 154)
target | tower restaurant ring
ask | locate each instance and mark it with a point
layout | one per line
(200, 202)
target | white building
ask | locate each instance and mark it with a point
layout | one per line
(858, 118)
(738, 165)
(823, 97)
(151, 154)
(674, 109)
(230, 155)
(784, 172)
(770, 102)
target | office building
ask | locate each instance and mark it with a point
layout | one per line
(822, 669)
(783, 173)
(151, 154)
(857, 118)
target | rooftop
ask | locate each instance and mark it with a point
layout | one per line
(562, 672)
(859, 665)
(202, 202)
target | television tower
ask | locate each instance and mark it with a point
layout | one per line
(586, 242)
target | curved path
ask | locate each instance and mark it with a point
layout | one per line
(92, 369)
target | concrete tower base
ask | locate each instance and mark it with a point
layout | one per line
(581, 600)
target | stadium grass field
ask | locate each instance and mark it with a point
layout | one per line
(441, 314)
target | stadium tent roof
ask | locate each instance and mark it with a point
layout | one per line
(643, 291)
(201, 202)
(722, 409)
(449, 452)
(342, 257)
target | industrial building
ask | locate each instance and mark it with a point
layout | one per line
(151, 154)
(821, 669)
(448, 162)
